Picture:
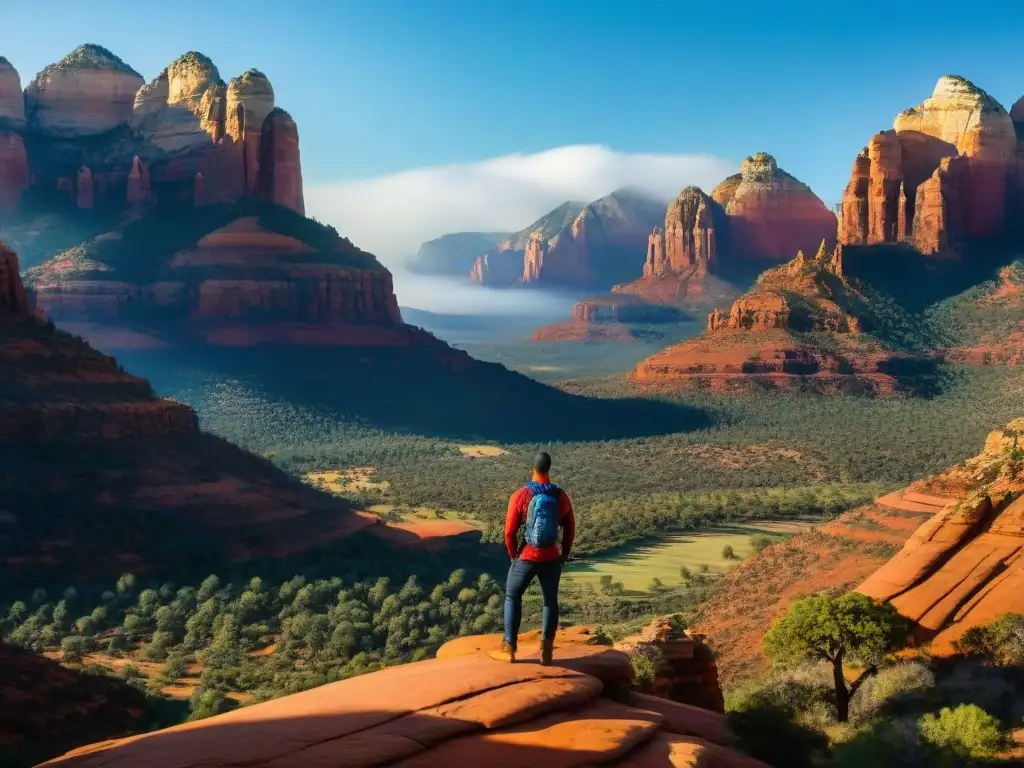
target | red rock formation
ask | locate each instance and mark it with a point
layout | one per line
(250, 99)
(138, 183)
(240, 273)
(759, 343)
(945, 173)
(84, 189)
(604, 244)
(461, 710)
(686, 672)
(14, 173)
(690, 235)
(771, 214)
(12, 291)
(89, 92)
(281, 170)
(655, 263)
(533, 258)
(965, 566)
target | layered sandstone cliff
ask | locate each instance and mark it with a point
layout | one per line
(964, 567)
(946, 172)
(239, 283)
(92, 120)
(772, 337)
(689, 242)
(772, 215)
(461, 709)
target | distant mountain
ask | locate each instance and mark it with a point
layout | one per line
(502, 265)
(453, 255)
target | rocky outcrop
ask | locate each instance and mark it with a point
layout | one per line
(503, 265)
(281, 177)
(460, 709)
(12, 101)
(964, 567)
(602, 246)
(686, 668)
(85, 191)
(766, 338)
(944, 173)
(453, 255)
(772, 215)
(88, 92)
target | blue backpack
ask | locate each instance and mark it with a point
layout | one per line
(542, 515)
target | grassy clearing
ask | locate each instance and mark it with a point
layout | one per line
(636, 566)
(421, 514)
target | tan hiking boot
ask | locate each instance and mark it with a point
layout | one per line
(547, 650)
(505, 653)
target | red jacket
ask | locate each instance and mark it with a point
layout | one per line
(515, 518)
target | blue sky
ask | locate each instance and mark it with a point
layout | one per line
(380, 86)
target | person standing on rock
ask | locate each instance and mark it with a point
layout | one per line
(541, 508)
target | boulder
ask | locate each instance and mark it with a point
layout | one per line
(88, 92)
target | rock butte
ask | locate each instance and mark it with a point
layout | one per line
(461, 709)
(93, 121)
(948, 171)
(755, 344)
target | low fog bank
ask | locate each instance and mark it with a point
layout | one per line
(390, 216)
(457, 310)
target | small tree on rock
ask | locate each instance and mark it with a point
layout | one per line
(850, 628)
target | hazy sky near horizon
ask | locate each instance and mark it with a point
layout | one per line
(440, 88)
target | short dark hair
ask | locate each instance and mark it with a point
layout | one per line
(542, 462)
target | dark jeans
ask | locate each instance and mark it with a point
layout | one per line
(520, 574)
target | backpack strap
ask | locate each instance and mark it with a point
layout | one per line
(548, 488)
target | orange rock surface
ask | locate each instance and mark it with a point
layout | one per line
(772, 215)
(963, 567)
(688, 244)
(461, 709)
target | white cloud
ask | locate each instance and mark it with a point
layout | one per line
(391, 215)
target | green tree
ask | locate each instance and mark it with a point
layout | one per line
(851, 628)
(73, 649)
(728, 553)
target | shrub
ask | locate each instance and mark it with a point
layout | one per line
(728, 553)
(894, 689)
(645, 660)
(963, 733)
(73, 648)
(767, 722)
(1002, 641)
(206, 703)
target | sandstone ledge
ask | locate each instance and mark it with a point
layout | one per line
(461, 709)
